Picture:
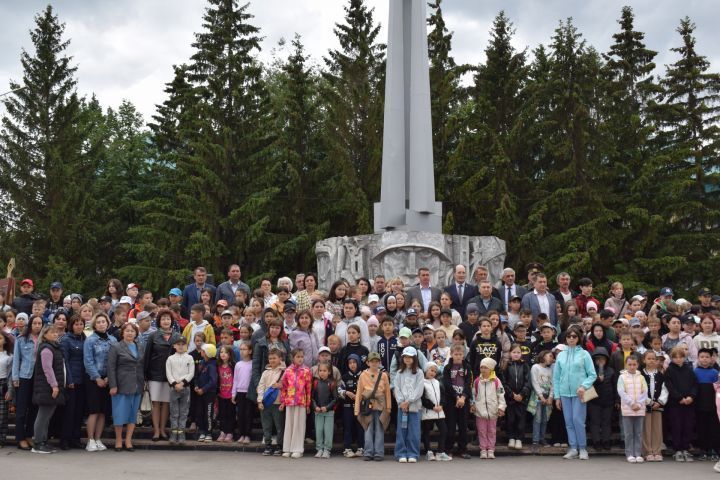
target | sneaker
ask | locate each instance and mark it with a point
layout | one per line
(277, 453)
(491, 455)
(584, 455)
(228, 438)
(273, 440)
(91, 446)
(201, 437)
(571, 454)
(632, 460)
(348, 453)
(42, 448)
(639, 460)
(563, 445)
(443, 457)
(483, 454)
(518, 444)
(717, 467)
(430, 456)
(511, 443)
(359, 452)
(688, 456)
(286, 454)
(402, 460)
(326, 454)
(310, 441)
(208, 438)
(368, 459)
(412, 460)
(556, 445)
(678, 456)
(100, 446)
(173, 437)
(659, 458)
(181, 437)
(319, 454)
(267, 452)
(296, 455)
(247, 440)
(465, 456)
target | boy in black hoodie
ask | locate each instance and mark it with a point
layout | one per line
(456, 379)
(708, 428)
(546, 340)
(516, 379)
(485, 345)
(353, 346)
(600, 409)
(347, 391)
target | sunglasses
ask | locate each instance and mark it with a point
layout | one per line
(572, 335)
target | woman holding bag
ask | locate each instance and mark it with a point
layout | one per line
(574, 374)
(373, 394)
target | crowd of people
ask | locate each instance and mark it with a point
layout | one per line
(366, 356)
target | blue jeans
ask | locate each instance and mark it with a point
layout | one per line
(574, 412)
(407, 440)
(375, 437)
(539, 423)
(351, 428)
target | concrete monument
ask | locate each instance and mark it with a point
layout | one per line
(408, 220)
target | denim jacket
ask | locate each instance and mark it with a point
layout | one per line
(71, 347)
(23, 364)
(95, 355)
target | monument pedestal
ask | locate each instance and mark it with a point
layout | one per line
(401, 253)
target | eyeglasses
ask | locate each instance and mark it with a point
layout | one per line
(572, 335)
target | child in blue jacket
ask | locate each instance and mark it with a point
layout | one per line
(206, 388)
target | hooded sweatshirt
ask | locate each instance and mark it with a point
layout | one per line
(573, 368)
(488, 397)
(409, 387)
(484, 348)
(192, 328)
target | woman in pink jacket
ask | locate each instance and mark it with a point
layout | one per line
(295, 400)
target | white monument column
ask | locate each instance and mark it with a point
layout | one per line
(407, 196)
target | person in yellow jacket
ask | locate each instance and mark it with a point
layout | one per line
(198, 324)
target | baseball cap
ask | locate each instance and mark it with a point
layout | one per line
(405, 333)
(379, 309)
(472, 308)
(417, 330)
(27, 281)
(371, 356)
(635, 322)
(105, 299)
(411, 312)
(175, 292)
(373, 298)
(125, 299)
(666, 292)
(324, 349)
(56, 285)
(704, 291)
(226, 312)
(290, 307)
(445, 311)
(409, 352)
(428, 327)
(132, 285)
(142, 316)
(639, 298)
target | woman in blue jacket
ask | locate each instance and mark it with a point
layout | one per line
(71, 346)
(23, 368)
(574, 374)
(97, 394)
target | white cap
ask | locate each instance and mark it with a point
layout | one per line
(409, 352)
(373, 298)
(324, 349)
(126, 299)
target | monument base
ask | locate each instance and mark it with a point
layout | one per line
(401, 253)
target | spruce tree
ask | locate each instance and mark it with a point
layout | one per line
(353, 91)
(491, 144)
(687, 169)
(48, 158)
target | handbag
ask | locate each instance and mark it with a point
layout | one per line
(366, 403)
(145, 403)
(590, 394)
(271, 394)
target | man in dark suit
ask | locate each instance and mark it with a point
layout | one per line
(485, 301)
(509, 288)
(540, 300)
(191, 293)
(423, 291)
(460, 291)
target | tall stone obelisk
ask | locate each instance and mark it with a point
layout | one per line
(407, 197)
(408, 220)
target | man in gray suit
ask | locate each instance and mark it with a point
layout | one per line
(486, 302)
(226, 290)
(540, 300)
(509, 288)
(423, 291)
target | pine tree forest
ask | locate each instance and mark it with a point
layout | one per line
(589, 162)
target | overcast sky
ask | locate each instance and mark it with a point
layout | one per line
(125, 49)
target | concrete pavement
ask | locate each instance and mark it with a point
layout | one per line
(140, 465)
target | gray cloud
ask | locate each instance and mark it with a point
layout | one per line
(125, 49)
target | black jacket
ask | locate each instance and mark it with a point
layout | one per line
(483, 348)
(349, 384)
(330, 391)
(157, 351)
(42, 391)
(516, 379)
(680, 382)
(356, 348)
(654, 395)
(469, 330)
(428, 403)
(450, 394)
(606, 388)
(24, 303)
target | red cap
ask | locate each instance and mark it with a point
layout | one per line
(28, 282)
(132, 285)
